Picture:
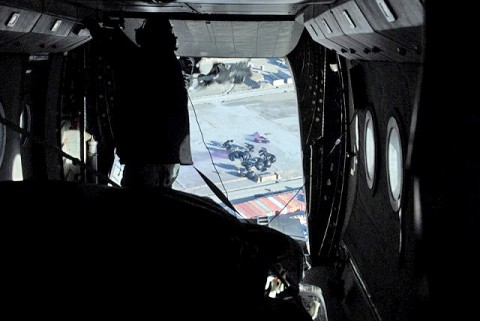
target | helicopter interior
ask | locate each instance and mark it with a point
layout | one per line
(390, 175)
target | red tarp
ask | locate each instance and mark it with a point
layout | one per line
(269, 205)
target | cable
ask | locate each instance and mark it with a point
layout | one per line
(204, 143)
(339, 139)
(291, 199)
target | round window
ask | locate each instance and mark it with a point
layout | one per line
(394, 163)
(3, 135)
(357, 134)
(25, 123)
(370, 150)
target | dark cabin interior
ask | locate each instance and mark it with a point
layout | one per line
(357, 64)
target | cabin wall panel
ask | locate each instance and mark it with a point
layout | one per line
(378, 238)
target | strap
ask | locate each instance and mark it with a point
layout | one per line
(217, 191)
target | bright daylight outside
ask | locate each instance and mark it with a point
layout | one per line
(245, 138)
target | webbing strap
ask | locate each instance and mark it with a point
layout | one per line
(216, 190)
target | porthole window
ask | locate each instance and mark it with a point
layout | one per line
(3, 135)
(370, 149)
(357, 133)
(394, 163)
(25, 123)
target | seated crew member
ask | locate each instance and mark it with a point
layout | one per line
(151, 133)
(150, 114)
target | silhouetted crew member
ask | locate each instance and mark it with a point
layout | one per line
(150, 117)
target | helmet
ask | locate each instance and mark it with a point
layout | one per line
(156, 32)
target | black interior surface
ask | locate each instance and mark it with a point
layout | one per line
(82, 249)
